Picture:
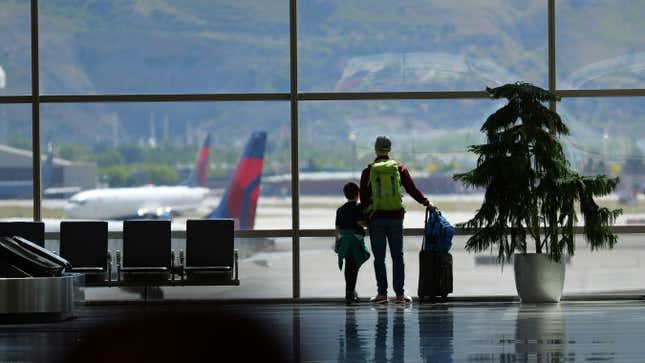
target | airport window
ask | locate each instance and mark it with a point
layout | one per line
(150, 47)
(151, 163)
(264, 275)
(599, 44)
(130, 90)
(473, 276)
(16, 166)
(15, 48)
(337, 142)
(420, 46)
(607, 138)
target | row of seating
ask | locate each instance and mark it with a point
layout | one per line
(147, 257)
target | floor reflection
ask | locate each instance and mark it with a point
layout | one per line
(436, 335)
(540, 332)
(352, 347)
(445, 332)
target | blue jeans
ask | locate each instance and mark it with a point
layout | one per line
(392, 229)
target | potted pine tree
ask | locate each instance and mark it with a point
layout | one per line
(532, 193)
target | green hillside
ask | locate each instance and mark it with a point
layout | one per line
(207, 46)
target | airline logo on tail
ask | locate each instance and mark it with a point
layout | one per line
(241, 197)
(199, 175)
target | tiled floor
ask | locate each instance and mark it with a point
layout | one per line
(612, 331)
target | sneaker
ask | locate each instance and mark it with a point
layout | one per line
(351, 297)
(379, 299)
(403, 299)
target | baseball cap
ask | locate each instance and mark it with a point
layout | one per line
(383, 143)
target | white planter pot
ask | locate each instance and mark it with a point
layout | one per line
(537, 278)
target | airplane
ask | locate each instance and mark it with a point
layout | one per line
(243, 191)
(145, 201)
(238, 202)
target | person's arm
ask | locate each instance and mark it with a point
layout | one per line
(408, 184)
(364, 191)
(337, 240)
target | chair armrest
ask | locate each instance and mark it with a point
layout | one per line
(208, 268)
(118, 265)
(182, 265)
(173, 265)
(145, 269)
(108, 264)
(88, 269)
(236, 255)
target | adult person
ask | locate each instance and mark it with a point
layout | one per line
(380, 194)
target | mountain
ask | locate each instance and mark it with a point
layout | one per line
(204, 46)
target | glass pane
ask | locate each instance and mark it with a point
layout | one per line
(430, 137)
(127, 160)
(264, 272)
(16, 164)
(617, 270)
(473, 274)
(164, 47)
(607, 137)
(476, 274)
(600, 44)
(15, 52)
(417, 45)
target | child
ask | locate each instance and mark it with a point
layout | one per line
(349, 240)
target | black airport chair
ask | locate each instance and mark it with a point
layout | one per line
(146, 251)
(31, 231)
(85, 245)
(210, 252)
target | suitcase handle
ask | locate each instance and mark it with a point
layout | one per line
(423, 243)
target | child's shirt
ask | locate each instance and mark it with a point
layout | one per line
(348, 216)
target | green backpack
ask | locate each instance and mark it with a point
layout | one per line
(385, 183)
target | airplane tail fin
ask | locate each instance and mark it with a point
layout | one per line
(240, 199)
(199, 175)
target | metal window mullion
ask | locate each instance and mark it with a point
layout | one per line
(195, 97)
(35, 114)
(551, 42)
(359, 96)
(626, 92)
(295, 193)
(15, 99)
(325, 233)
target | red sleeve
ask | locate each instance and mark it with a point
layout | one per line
(408, 184)
(364, 192)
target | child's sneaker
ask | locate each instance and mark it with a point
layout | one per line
(403, 299)
(351, 297)
(379, 299)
